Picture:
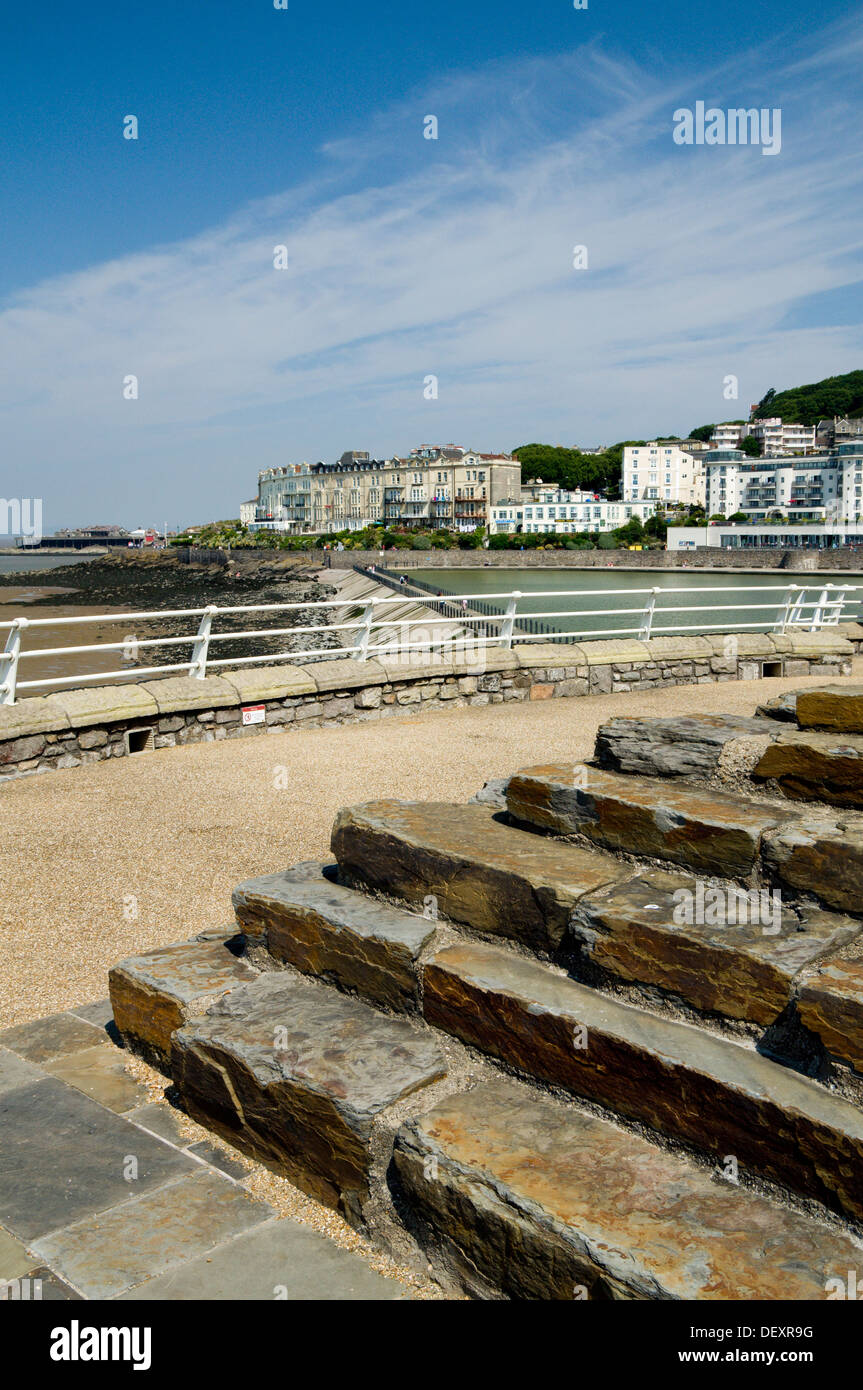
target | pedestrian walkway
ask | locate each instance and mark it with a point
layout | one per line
(104, 1196)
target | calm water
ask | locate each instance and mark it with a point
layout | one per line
(566, 592)
(15, 564)
(16, 600)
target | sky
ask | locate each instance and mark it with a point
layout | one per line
(407, 257)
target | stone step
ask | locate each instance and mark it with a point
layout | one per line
(708, 831)
(296, 1075)
(688, 746)
(538, 1201)
(155, 993)
(836, 708)
(725, 951)
(303, 918)
(819, 855)
(830, 1004)
(679, 1080)
(781, 707)
(813, 766)
(475, 869)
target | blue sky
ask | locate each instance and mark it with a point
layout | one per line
(407, 257)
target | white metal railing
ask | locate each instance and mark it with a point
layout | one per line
(782, 607)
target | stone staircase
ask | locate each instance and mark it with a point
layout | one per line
(413, 616)
(596, 1034)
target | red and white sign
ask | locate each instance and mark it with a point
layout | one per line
(254, 714)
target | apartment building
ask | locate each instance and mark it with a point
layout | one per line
(826, 486)
(435, 487)
(729, 435)
(777, 439)
(663, 471)
(556, 511)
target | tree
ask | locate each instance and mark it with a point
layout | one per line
(702, 432)
(751, 446)
(806, 405)
(630, 533)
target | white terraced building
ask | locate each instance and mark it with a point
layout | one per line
(556, 511)
(826, 486)
(663, 471)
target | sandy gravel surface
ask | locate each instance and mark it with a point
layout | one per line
(103, 861)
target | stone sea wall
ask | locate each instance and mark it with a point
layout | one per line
(703, 557)
(75, 727)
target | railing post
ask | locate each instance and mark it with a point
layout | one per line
(647, 616)
(509, 619)
(785, 617)
(818, 615)
(9, 663)
(840, 604)
(364, 632)
(797, 610)
(198, 664)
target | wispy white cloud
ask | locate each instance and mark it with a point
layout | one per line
(453, 257)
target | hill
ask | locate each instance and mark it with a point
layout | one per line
(806, 405)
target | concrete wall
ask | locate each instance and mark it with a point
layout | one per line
(77, 727)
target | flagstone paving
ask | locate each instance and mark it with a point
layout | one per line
(103, 1195)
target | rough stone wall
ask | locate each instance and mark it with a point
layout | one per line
(703, 557)
(74, 728)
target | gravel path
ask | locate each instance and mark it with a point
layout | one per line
(103, 861)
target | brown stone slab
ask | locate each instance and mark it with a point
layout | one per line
(54, 1036)
(296, 1075)
(489, 875)
(688, 746)
(740, 960)
(836, 708)
(15, 1258)
(831, 1005)
(100, 1072)
(154, 994)
(813, 766)
(716, 1094)
(781, 707)
(545, 1203)
(323, 929)
(710, 832)
(821, 854)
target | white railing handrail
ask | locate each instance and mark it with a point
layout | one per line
(826, 608)
(347, 602)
